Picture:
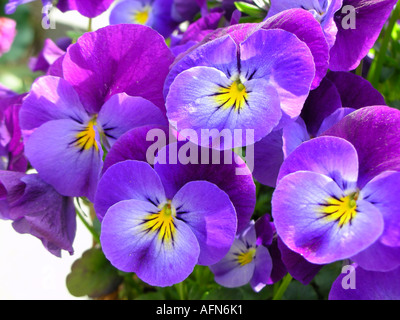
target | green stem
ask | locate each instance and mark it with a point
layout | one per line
(84, 221)
(179, 287)
(282, 288)
(90, 25)
(376, 67)
(359, 70)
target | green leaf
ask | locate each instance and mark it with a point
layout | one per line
(298, 291)
(250, 10)
(92, 275)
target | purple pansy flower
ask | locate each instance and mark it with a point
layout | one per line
(240, 82)
(339, 94)
(67, 122)
(7, 34)
(322, 211)
(37, 209)
(248, 261)
(153, 13)
(322, 10)
(159, 237)
(374, 132)
(253, 258)
(88, 8)
(224, 169)
(368, 285)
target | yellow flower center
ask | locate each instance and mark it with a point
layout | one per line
(246, 257)
(342, 210)
(86, 139)
(162, 222)
(235, 96)
(141, 17)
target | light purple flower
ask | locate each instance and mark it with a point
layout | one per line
(323, 211)
(159, 237)
(215, 87)
(7, 34)
(37, 209)
(374, 132)
(248, 260)
(369, 285)
(67, 122)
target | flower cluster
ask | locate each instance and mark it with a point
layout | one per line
(170, 132)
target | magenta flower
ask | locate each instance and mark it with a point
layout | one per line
(7, 34)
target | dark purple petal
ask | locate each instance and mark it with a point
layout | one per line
(352, 45)
(140, 62)
(45, 214)
(298, 267)
(369, 285)
(321, 102)
(47, 56)
(90, 9)
(268, 158)
(374, 132)
(264, 230)
(355, 92)
(11, 189)
(142, 144)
